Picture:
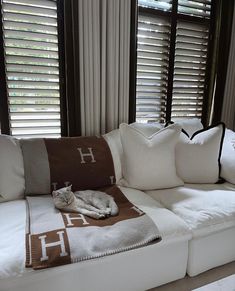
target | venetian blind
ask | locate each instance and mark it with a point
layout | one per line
(189, 70)
(32, 67)
(190, 60)
(152, 68)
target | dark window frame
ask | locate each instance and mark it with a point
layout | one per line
(62, 76)
(4, 105)
(4, 108)
(174, 16)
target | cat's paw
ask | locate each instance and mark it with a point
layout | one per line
(105, 212)
(98, 215)
(108, 211)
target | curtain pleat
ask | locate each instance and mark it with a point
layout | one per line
(81, 61)
(228, 112)
(104, 37)
(103, 53)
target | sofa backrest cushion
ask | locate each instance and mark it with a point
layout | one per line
(84, 162)
(190, 125)
(148, 129)
(149, 162)
(198, 157)
(12, 182)
(228, 157)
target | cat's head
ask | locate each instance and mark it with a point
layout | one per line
(63, 196)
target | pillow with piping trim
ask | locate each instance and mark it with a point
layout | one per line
(198, 157)
(228, 157)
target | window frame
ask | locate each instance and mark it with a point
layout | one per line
(4, 108)
(174, 15)
(4, 105)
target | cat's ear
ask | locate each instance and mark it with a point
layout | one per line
(69, 188)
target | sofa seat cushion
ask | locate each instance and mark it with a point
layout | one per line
(206, 208)
(12, 228)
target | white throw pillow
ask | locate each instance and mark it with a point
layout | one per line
(198, 158)
(228, 157)
(149, 162)
(190, 125)
(114, 141)
(12, 182)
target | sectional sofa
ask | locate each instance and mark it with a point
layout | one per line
(193, 208)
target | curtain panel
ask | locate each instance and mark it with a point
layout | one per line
(98, 46)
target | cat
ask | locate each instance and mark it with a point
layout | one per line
(95, 204)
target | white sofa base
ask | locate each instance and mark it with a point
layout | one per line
(138, 269)
(135, 270)
(211, 251)
(209, 211)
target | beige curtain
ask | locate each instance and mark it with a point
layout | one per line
(228, 111)
(104, 38)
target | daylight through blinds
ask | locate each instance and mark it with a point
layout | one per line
(32, 67)
(190, 53)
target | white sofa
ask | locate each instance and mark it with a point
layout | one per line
(196, 222)
(138, 269)
(209, 211)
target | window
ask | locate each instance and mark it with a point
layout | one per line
(31, 54)
(172, 59)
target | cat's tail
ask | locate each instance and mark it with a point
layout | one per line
(113, 206)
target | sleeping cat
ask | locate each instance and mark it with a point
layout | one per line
(95, 204)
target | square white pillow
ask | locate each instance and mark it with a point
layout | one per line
(114, 141)
(228, 157)
(149, 162)
(198, 157)
(12, 182)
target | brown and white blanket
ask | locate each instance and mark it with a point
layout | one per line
(55, 238)
(50, 164)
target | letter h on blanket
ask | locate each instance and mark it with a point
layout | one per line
(45, 245)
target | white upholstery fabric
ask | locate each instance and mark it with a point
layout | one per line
(209, 211)
(206, 209)
(12, 240)
(12, 183)
(228, 157)
(197, 158)
(139, 269)
(149, 162)
(135, 270)
(211, 251)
